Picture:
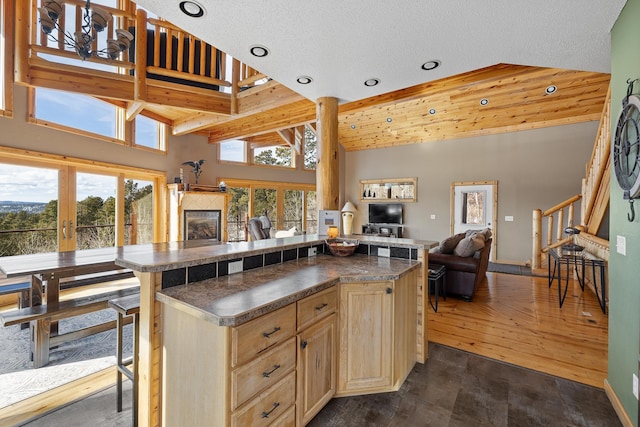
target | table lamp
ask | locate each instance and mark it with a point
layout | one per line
(347, 218)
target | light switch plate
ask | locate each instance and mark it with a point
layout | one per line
(621, 245)
(433, 216)
(508, 218)
(635, 385)
(235, 267)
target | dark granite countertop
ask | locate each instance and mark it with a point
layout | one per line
(237, 298)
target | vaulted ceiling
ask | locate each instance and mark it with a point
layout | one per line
(506, 53)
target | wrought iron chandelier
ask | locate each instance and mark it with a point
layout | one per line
(95, 19)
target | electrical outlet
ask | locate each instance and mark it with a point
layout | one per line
(433, 216)
(312, 251)
(385, 252)
(635, 386)
(235, 267)
(508, 218)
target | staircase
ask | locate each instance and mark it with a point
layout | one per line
(594, 203)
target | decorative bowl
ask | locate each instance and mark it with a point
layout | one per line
(341, 247)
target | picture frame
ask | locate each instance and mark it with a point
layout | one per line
(202, 224)
(326, 219)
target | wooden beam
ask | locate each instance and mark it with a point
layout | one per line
(327, 176)
(133, 109)
(196, 122)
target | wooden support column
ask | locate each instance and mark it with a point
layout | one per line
(327, 175)
(22, 31)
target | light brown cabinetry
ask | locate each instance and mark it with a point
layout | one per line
(317, 324)
(377, 328)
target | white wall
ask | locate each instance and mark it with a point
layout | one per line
(534, 169)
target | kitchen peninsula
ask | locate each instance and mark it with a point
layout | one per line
(226, 348)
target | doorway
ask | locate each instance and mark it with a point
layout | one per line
(474, 206)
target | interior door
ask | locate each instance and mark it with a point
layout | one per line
(474, 207)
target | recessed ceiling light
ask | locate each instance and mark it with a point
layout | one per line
(304, 80)
(353, 126)
(432, 111)
(431, 65)
(389, 119)
(484, 101)
(259, 51)
(371, 82)
(191, 9)
(551, 89)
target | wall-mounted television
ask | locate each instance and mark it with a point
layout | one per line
(385, 213)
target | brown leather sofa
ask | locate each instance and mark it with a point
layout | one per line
(464, 274)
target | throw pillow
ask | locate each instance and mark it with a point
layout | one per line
(469, 245)
(449, 244)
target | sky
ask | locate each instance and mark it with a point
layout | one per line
(28, 184)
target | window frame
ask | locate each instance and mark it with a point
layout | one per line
(6, 57)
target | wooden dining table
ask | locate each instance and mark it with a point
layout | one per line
(48, 268)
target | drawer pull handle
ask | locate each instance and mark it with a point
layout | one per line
(268, 334)
(266, 414)
(268, 374)
(321, 306)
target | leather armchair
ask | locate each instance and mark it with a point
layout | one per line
(259, 228)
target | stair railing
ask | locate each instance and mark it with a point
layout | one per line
(555, 217)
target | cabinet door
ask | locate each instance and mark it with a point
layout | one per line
(366, 327)
(316, 368)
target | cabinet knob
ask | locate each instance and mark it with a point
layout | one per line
(389, 290)
(303, 344)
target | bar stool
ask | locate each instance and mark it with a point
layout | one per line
(127, 306)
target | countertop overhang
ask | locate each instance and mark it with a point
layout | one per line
(163, 257)
(234, 299)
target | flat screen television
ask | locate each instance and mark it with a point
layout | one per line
(385, 213)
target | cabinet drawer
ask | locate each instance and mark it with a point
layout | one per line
(317, 306)
(268, 406)
(254, 337)
(288, 419)
(250, 379)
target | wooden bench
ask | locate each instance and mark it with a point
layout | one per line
(41, 317)
(17, 285)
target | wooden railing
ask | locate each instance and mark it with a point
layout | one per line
(185, 57)
(555, 217)
(595, 186)
(594, 203)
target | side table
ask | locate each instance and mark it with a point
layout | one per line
(437, 278)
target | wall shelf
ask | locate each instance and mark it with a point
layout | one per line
(389, 190)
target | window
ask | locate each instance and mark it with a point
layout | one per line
(150, 133)
(286, 204)
(76, 111)
(275, 155)
(42, 211)
(233, 151)
(95, 118)
(473, 208)
(310, 149)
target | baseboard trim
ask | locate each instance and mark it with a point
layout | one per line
(35, 407)
(617, 405)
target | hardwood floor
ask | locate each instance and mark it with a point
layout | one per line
(517, 319)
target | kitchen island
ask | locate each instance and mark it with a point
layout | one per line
(188, 298)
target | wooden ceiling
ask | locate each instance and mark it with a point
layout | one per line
(444, 109)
